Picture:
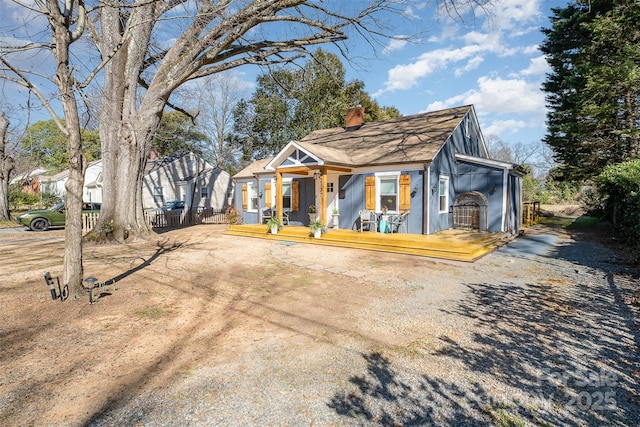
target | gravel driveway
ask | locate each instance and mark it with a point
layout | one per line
(529, 335)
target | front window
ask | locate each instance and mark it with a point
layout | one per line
(443, 194)
(204, 192)
(253, 197)
(388, 193)
(286, 195)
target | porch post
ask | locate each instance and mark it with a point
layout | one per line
(323, 195)
(278, 191)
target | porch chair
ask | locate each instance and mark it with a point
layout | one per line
(399, 221)
(368, 219)
(270, 212)
(267, 214)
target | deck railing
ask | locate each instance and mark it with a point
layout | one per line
(530, 213)
(169, 219)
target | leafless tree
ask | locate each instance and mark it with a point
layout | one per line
(214, 98)
(67, 23)
(149, 48)
(534, 154)
(7, 165)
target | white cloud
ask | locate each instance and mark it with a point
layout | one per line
(537, 66)
(500, 127)
(472, 64)
(409, 13)
(406, 76)
(531, 50)
(504, 96)
(396, 43)
(513, 14)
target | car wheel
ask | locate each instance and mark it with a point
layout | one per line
(39, 224)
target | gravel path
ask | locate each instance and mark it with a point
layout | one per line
(546, 337)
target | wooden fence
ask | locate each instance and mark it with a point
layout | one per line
(169, 219)
(530, 213)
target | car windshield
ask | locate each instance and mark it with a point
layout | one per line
(173, 205)
(57, 207)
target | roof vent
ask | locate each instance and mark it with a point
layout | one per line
(355, 118)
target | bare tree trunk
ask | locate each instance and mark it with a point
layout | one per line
(7, 165)
(126, 129)
(72, 268)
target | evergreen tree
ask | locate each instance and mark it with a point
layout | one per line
(592, 92)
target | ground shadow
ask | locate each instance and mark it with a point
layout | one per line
(561, 350)
(162, 248)
(387, 396)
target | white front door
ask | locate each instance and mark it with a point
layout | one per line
(332, 195)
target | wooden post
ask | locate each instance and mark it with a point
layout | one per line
(278, 190)
(323, 195)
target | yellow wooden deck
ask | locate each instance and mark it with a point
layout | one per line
(460, 245)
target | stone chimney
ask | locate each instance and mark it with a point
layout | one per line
(355, 118)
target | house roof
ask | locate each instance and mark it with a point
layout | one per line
(28, 175)
(498, 164)
(415, 138)
(57, 177)
(409, 139)
(256, 167)
(181, 163)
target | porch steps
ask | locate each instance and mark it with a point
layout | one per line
(459, 245)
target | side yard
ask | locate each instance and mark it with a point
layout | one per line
(210, 329)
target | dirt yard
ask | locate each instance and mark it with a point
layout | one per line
(212, 329)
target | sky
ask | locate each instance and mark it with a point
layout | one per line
(490, 60)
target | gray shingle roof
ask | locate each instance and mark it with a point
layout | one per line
(415, 138)
(409, 139)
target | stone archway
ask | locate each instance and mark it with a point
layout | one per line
(470, 211)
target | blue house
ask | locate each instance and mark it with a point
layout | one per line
(433, 166)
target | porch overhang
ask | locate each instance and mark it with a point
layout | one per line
(318, 172)
(306, 160)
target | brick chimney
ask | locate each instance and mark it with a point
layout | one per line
(355, 118)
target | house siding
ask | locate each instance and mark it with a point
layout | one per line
(515, 200)
(488, 181)
(464, 177)
(190, 173)
(353, 201)
(466, 138)
(443, 164)
(353, 187)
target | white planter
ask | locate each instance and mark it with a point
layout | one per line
(317, 233)
(336, 221)
(274, 229)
